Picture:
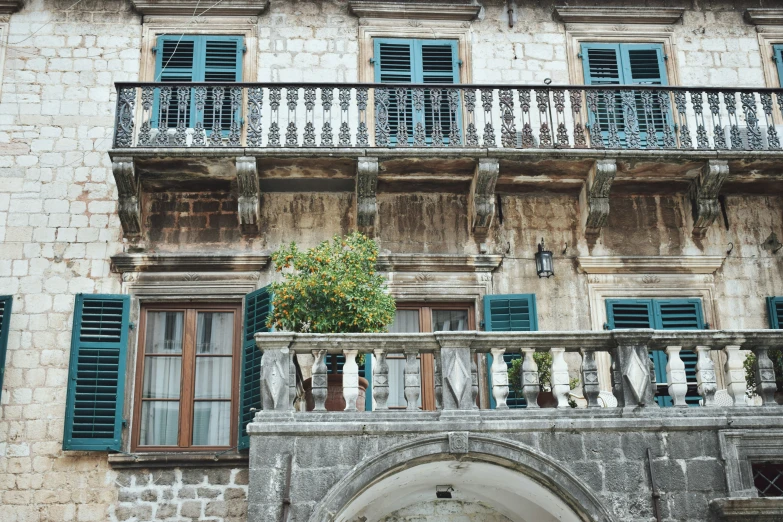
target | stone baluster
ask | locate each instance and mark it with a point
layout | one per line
(765, 376)
(380, 379)
(412, 379)
(320, 380)
(559, 375)
(438, 381)
(633, 365)
(455, 354)
(590, 386)
(474, 387)
(499, 378)
(735, 375)
(276, 371)
(530, 383)
(350, 380)
(705, 375)
(675, 371)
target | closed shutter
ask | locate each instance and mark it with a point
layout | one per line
(778, 51)
(775, 309)
(257, 307)
(96, 373)
(509, 313)
(5, 324)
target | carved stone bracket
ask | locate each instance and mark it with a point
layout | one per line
(249, 194)
(704, 195)
(482, 195)
(366, 190)
(128, 191)
(594, 199)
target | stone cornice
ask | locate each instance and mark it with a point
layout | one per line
(619, 15)
(194, 8)
(438, 263)
(764, 16)
(10, 6)
(454, 10)
(189, 262)
(650, 264)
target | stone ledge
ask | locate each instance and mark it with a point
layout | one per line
(10, 6)
(743, 509)
(438, 263)
(176, 460)
(448, 10)
(764, 16)
(619, 15)
(650, 264)
(189, 262)
(192, 8)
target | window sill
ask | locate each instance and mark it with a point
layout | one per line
(177, 460)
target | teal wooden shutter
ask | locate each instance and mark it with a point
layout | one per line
(778, 50)
(175, 62)
(775, 309)
(96, 373)
(257, 307)
(394, 63)
(437, 61)
(5, 325)
(221, 62)
(509, 313)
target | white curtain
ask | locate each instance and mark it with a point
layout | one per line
(159, 423)
(215, 333)
(212, 419)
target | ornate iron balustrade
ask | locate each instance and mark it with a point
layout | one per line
(456, 374)
(321, 115)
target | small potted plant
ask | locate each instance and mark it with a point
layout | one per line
(546, 398)
(331, 288)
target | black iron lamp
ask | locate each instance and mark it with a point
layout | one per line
(544, 264)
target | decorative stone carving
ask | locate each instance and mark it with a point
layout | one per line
(191, 8)
(366, 190)
(735, 375)
(249, 199)
(458, 442)
(675, 371)
(380, 378)
(482, 195)
(456, 368)
(276, 370)
(350, 379)
(631, 369)
(319, 380)
(454, 10)
(705, 375)
(499, 378)
(764, 16)
(594, 199)
(128, 193)
(765, 376)
(590, 385)
(704, 195)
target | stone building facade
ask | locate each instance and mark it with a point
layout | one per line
(89, 210)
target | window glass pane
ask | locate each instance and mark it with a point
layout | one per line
(162, 377)
(213, 378)
(214, 333)
(405, 321)
(159, 423)
(164, 332)
(211, 423)
(449, 320)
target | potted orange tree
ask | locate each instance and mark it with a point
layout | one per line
(331, 288)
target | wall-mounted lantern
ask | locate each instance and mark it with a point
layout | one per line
(544, 264)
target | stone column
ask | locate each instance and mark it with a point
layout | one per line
(319, 380)
(499, 378)
(456, 369)
(276, 371)
(529, 376)
(633, 368)
(675, 372)
(350, 380)
(412, 388)
(559, 375)
(380, 379)
(590, 385)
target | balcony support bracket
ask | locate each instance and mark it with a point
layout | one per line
(482, 196)
(128, 192)
(366, 195)
(594, 199)
(249, 197)
(704, 195)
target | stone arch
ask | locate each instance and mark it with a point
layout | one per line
(528, 462)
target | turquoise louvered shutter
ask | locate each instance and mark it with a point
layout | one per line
(394, 63)
(96, 373)
(437, 61)
(257, 307)
(778, 53)
(775, 310)
(5, 325)
(509, 313)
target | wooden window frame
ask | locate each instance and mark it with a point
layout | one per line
(187, 380)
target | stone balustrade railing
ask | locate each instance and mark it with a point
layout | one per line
(345, 116)
(456, 374)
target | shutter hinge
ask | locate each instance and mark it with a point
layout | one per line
(372, 61)
(580, 56)
(606, 326)
(131, 326)
(244, 49)
(706, 326)
(124, 423)
(482, 324)
(459, 63)
(666, 57)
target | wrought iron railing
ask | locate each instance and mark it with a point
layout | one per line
(326, 116)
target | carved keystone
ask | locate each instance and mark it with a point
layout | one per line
(366, 191)
(249, 194)
(704, 195)
(128, 192)
(594, 199)
(459, 442)
(482, 195)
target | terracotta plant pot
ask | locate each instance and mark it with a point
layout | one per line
(546, 399)
(334, 393)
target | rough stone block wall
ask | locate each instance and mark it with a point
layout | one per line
(186, 219)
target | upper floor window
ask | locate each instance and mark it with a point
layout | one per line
(428, 116)
(778, 50)
(628, 64)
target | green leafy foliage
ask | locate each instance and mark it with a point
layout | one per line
(544, 362)
(776, 355)
(332, 288)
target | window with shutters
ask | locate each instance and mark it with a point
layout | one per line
(5, 324)
(187, 378)
(777, 51)
(661, 314)
(510, 313)
(607, 64)
(775, 310)
(196, 58)
(424, 113)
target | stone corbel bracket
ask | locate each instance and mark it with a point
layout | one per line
(366, 195)
(482, 196)
(249, 200)
(128, 192)
(704, 195)
(594, 198)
